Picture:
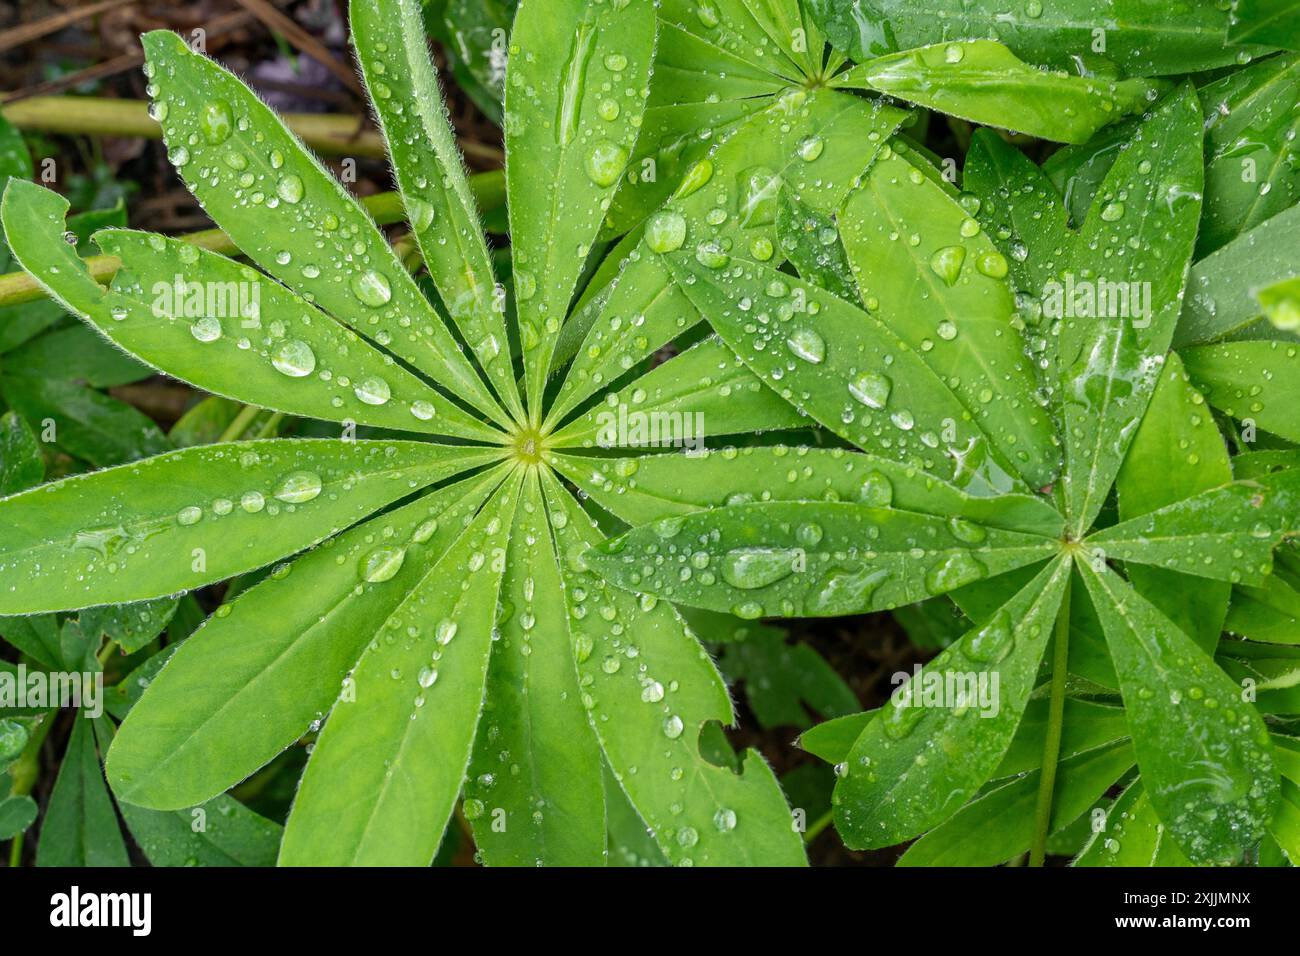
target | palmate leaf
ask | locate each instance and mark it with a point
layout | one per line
(225, 327)
(848, 370)
(394, 56)
(649, 689)
(1137, 37)
(384, 775)
(644, 489)
(810, 559)
(1132, 835)
(1257, 382)
(534, 794)
(928, 271)
(983, 81)
(1140, 230)
(576, 127)
(191, 517)
(291, 217)
(1176, 453)
(810, 143)
(706, 391)
(1184, 712)
(239, 691)
(1220, 302)
(914, 765)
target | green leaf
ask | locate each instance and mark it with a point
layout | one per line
(943, 733)
(847, 369)
(1131, 835)
(649, 688)
(291, 217)
(221, 832)
(1281, 303)
(80, 827)
(83, 422)
(269, 664)
(1019, 209)
(999, 824)
(131, 626)
(576, 125)
(939, 283)
(1270, 612)
(1138, 38)
(1086, 725)
(393, 51)
(534, 793)
(1252, 168)
(1256, 382)
(1139, 231)
(811, 242)
(783, 681)
(1186, 713)
(16, 815)
(1227, 533)
(473, 34)
(812, 144)
(704, 391)
(1265, 21)
(984, 82)
(811, 559)
(384, 775)
(1221, 302)
(640, 490)
(191, 517)
(21, 463)
(76, 353)
(1177, 453)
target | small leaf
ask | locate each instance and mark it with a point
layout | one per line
(1257, 382)
(80, 827)
(21, 463)
(221, 832)
(1132, 835)
(1186, 713)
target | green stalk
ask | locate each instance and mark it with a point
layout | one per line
(386, 208)
(1052, 745)
(235, 430)
(24, 773)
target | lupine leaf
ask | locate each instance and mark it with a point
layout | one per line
(811, 242)
(21, 464)
(649, 688)
(238, 692)
(534, 794)
(1265, 21)
(1139, 231)
(811, 559)
(207, 514)
(983, 81)
(1257, 382)
(222, 832)
(384, 775)
(574, 114)
(1139, 38)
(394, 56)
(661, 486)
(926, 269)
(1132, 835)
(80, 827)
(1185, 713)
(291, 217)
(918, 762)
(1176, 453)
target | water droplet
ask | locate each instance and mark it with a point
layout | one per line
(877, 491)
(1112, 211)
(189, 516)
(206, 329)
(294, 358)
(422, 410)
(871, 389)
(605, 163)
(811, 148)
(749, 568)
(725, 820)
(290, 189)
(957, 569)
(946, 263)
(673, 727)
(298, 487)
(665, 231)
(215, 122)
(371, 288)
(382, 564)
(373, 390)
(807, 345)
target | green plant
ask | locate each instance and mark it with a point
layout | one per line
(882, 407)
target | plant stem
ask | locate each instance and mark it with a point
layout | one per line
(818, 825)
(334, 135)
(489, 190)
(1052, 745)
(24, 772)
(235, 430)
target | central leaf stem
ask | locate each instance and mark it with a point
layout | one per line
(1052, 743)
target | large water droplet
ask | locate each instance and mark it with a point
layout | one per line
(665, 231)
(382, 564)
(298, 487)
(605, 163)
(371, 288)
(871, 389)
(294, 358)
(807, 345)
(750, 568)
